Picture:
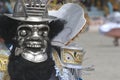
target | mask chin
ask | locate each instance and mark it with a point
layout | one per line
(33, 51)
(32, 57)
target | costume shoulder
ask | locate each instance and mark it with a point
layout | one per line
(4, 54)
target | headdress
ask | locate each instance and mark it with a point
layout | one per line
(30, 11)
(73, 14)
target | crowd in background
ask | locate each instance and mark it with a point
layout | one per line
(106, 5)
(5, 6)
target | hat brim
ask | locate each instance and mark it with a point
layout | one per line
(74, 16)
(31, 19)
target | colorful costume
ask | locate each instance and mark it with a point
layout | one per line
(39, 51)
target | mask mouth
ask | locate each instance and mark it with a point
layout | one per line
(36, 46)
(34, 51)
(33, 44)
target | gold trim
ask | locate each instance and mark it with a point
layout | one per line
(3, 62)
(3, 66)
(6, 76)
(57, 60)
(72, 58)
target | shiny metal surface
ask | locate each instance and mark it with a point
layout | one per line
(32, 41)
(30, 11)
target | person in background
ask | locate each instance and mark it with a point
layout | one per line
(5, 7)
(111, 27)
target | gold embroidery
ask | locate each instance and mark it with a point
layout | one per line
(57, 59)
(72, 56)
(3, 62)
(3, 66)
(6, 76)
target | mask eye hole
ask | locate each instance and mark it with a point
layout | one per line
(23, 33)
(45, 33)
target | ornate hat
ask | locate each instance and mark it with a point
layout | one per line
(73, 14)
(30, 11)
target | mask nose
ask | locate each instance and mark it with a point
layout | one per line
(35, 36)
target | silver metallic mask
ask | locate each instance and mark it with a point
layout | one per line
(32, 40)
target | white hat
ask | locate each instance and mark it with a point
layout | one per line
(73, 14)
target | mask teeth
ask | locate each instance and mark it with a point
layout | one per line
(34, 45)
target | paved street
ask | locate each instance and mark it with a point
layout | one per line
(101, 53)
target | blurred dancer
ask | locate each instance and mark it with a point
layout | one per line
(112, 27)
